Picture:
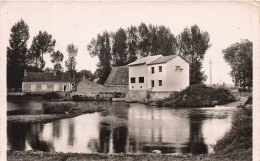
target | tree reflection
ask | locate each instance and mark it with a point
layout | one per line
(16, 134)
(120, 139)
(196, 144)
(19, 133)
(104, 137)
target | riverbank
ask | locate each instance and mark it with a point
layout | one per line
(49, 156)
(45, 118)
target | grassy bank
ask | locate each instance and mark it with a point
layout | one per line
(197, 96)
(239, 139)
(48, 156)
(54, 111)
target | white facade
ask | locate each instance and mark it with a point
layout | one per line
(170, 73)
(139, 69)
(174, 75)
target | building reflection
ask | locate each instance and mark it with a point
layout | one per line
(56, 129)
(71, 132)
(155, 129)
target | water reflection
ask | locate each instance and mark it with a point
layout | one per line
(147, 129)
(196, 144)
(20, 135)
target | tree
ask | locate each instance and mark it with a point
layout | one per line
(71, 63)
(192, 46)
(239, 57)
(101, 47)
(87, 73)
(48, 70)
(167, 43)
(143, 43)
(17, 54)
(132, 40)
(119, 47)
(41, 44)
(57, 58)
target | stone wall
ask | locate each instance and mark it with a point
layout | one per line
(158, 94)
(87, 88)
(136, 95)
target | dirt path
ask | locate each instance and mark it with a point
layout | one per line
(239, 102)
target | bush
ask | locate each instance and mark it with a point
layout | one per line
(51, 95)
(59, 107)
(82, 98)
(197, 96)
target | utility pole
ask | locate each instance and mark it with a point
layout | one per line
(210, 73)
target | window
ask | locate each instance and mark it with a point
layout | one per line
(160, 82)
(44, 87)
(56, 87)
(133, 80)
(33, 87)
(160, 68)
(152, 70)
(152, 83)
(141, 79)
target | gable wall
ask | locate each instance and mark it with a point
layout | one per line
(177, 80)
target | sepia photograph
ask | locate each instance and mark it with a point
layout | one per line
(142, 80)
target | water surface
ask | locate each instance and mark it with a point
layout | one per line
(144, 129)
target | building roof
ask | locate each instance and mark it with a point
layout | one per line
(117, 76)
(90, 82)
(48, 77)
(144, 60)
(163, 59)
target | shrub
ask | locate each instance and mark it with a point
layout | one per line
(197, 96)
(59, 107)
(51, 95)
(82, 98)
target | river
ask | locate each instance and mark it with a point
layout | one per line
(145, 128)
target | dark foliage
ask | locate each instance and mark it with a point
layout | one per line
(82, 98)
(197, 96)
(51, 95)
(239, 57)
(17, 54)
(59, 107)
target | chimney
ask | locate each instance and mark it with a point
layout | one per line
(25, 72)
(83, 77)
(54, 73)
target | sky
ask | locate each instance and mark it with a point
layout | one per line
(79, 22)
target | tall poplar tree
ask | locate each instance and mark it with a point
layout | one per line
(101, 48)
(17, 54)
